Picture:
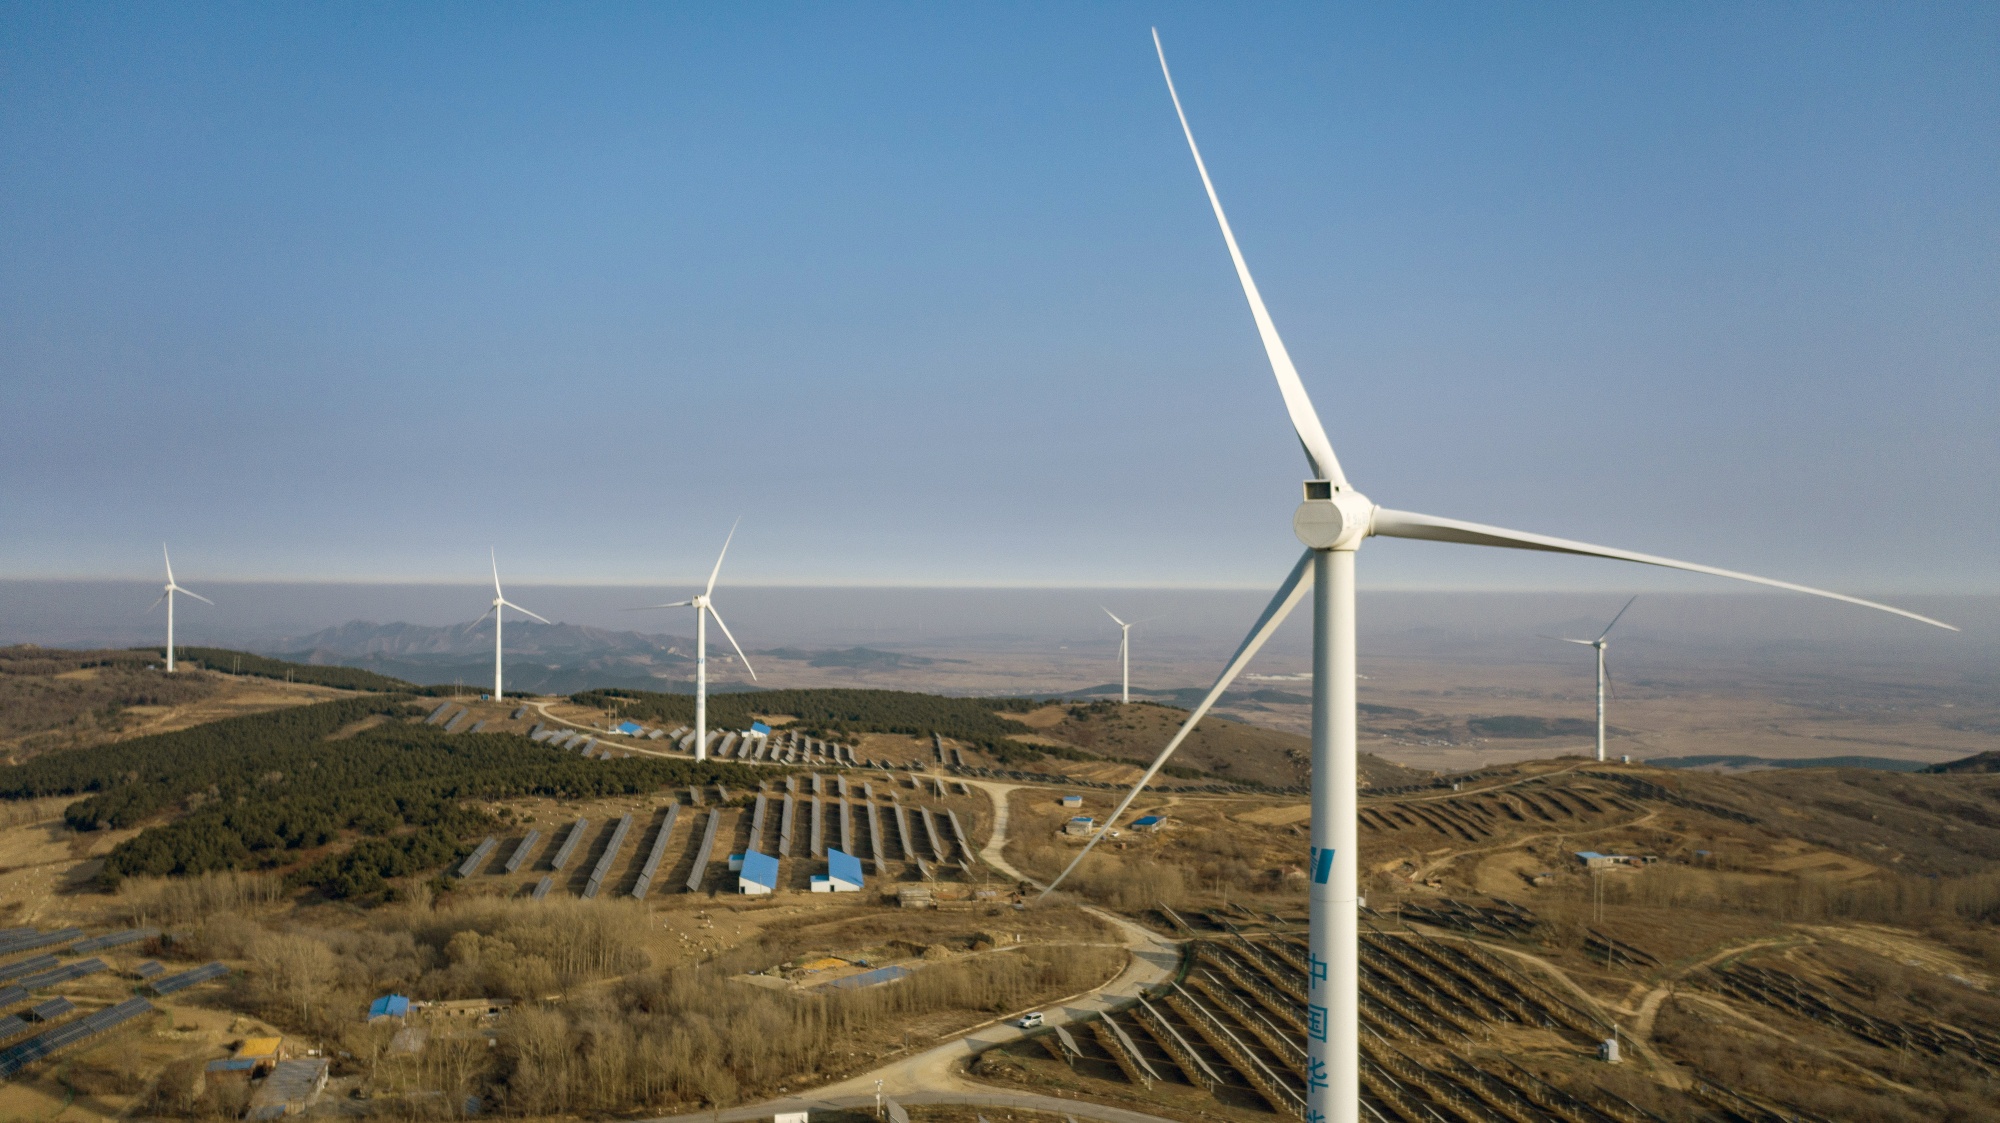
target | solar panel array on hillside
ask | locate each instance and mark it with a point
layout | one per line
(958, 832)
(27, 967)
(610, 856)
(702, 856)
(187, 979)
(148, 969)
(27, 939)
(569, 845)
(63, 974)
(478, 856)
(542, 888)
(659, 851)
(114, 940)
(13, 1025)
(521, 852)
(16, 1057)
(875, 836)
(51, 1010)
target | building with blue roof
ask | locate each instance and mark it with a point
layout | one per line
(631, 728)
(1147, 823)
(759, 876)
(843, 874)
(389, 1006)
(759, 729)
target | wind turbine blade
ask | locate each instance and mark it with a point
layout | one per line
(1408, 524)
(156, 603)
(676, 604)
(195, 595)
(170, 562)
(518, 608)
(718, 560)
(1610, 687)
(733, 643)
(1305, 421)
(496, 572)
(1566, 639)
(1114, 617)
(1287, 597)
(1614, 619)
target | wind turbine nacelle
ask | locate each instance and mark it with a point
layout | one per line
(1332, 518)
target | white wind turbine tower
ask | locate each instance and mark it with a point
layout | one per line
(1124, 657)
(1332, 522)
(704, 607)
(168, 596)
(1600, 643)
(500, 603)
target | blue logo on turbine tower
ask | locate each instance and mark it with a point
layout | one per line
(1322, 865)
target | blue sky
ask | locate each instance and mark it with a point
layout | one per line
(929, 294)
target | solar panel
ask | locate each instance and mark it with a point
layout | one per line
(847, 826)
(542, 888)
(609, 856)
(148, 969)
(938, 850)
(785, 828)
(16, 1057)
(477, 727)
(519, 713)
(31, 939)
(27, 967)
(658, 852)
(757, 822)
(521, 851)
(902, 830)
(535, 730)
(721, 794)
(63, 974)
(437, 715)
(51, 1010)
(958, 832)
(728, 745)
(707, 848)
(656, 734)
(569, 845)
(13, 1025)
(819, 784)
(818, 827)
(452, 725)
(875, 836)
(186, 979)
(479, 854)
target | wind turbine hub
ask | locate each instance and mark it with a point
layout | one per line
(1332, 518)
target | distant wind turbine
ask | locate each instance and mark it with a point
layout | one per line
(1599, 643)
(1124, 655)
(500, 603)
(168, 596)
(704, 607)
(1333, 522)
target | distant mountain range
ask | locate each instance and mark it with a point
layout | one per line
(547, 658)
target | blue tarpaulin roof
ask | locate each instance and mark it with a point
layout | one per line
(389, 1006)
(843, 867)
(1148, 821)
(759, 728)
(760, 869)
(629, 728)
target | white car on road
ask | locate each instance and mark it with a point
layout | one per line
(1030, 1021)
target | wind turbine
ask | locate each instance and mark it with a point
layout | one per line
(168, 596)
(1599, 643)
(1332, 522)
(500, 602)
(704, 607)
(1124, 657)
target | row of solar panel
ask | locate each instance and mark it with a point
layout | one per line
(15, 1057)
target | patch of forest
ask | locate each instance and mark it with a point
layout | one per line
(255, 791)
(263, 666)
(837, 712)
(52, 697)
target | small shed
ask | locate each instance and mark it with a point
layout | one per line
(263, 1052)
(290, 1089)
(1072, 801)
(759, 875)
(1147, 823)
(388, 1006)
(1082, 824)
(843, 874)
